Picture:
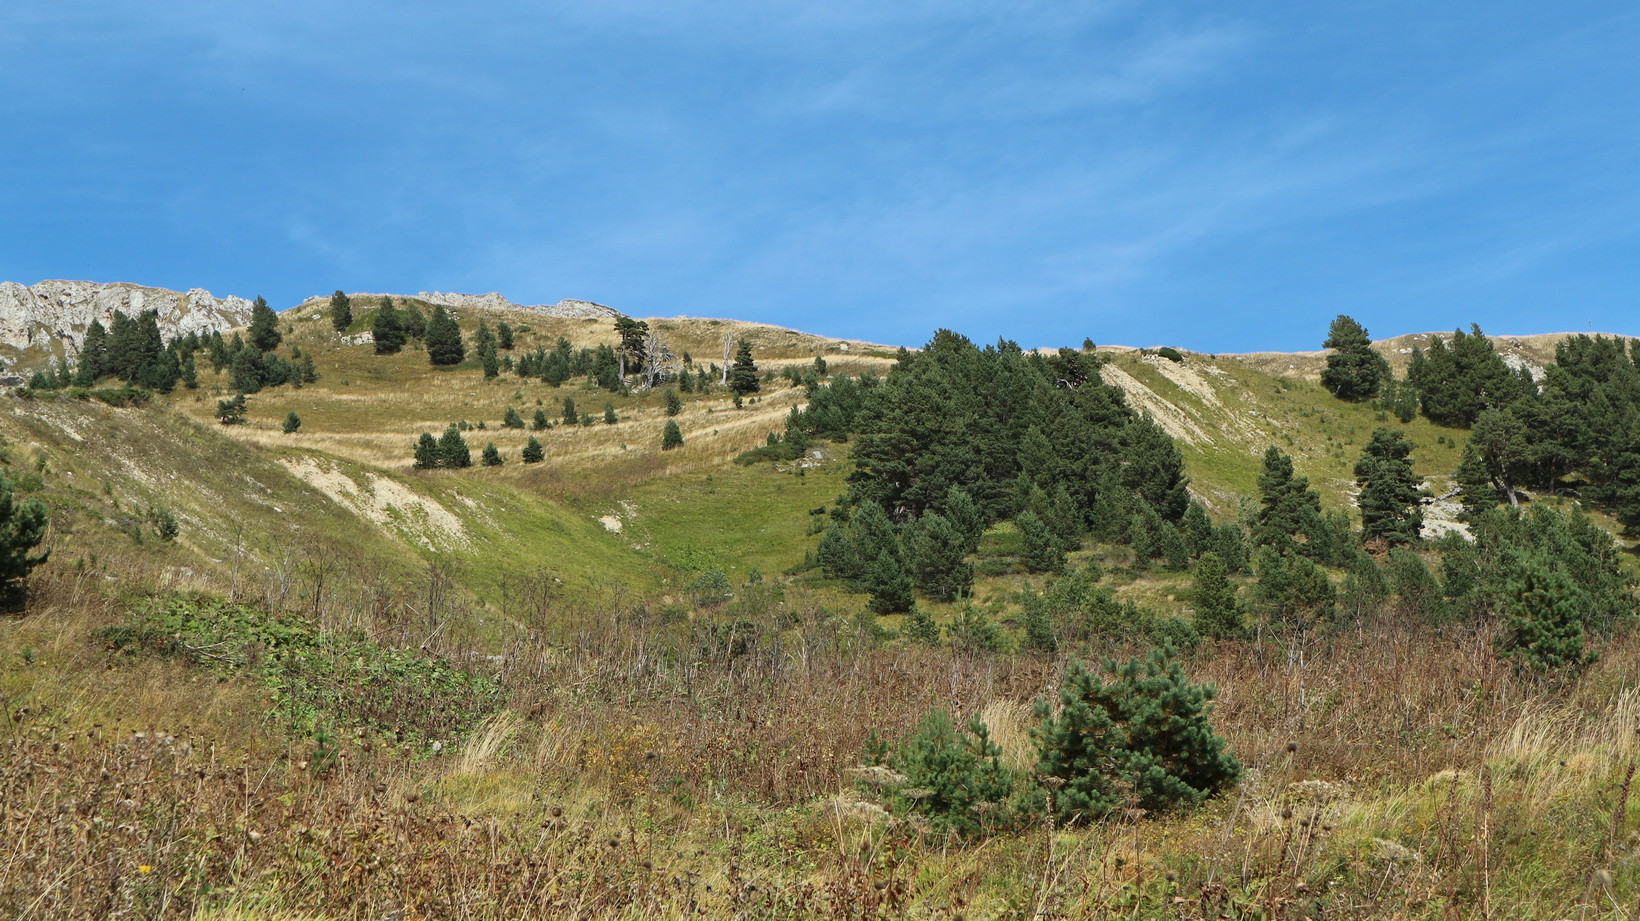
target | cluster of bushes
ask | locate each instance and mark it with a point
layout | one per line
(1138, 738)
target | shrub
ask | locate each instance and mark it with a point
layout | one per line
(672, 437)
(1142, 739)
(1170, 353)
(955, 778)
(22, 527)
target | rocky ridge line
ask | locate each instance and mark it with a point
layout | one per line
(49, 319)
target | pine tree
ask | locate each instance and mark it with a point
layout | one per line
(571, 417)
(889, 585)
(190, 372)
(415, 322)
(443, 338)
(533, 452)
(1288, 508)
(609, 414)
(94, 353)
(387, 329)
(264, 329)
(22, 528)
(1197, 529)
(452, 449)
(954, 778)
(539, 422)
(504, 336)
(672, 436)
(1543, 608)
(1355, 370)
(936, 551)
(292, 422)
(1145, 735)
(837, 556)
(1391, 494)
(231, 412)
(488, 361)
(1218, 610)
(427, 451)
(674, 403)
(341, 312)
(966, 516)
(743, 377)
(1041, 550)
(511, 419)
(491, 457)
(1479, 491)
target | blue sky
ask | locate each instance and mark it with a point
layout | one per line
(1224, 177)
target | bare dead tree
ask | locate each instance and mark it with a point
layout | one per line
(659, 364)
(728, 357)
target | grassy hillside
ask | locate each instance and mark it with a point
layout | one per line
(353, 689)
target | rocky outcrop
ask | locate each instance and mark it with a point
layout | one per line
(566, 308)
(43, 322)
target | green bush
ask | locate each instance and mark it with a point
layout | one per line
(1140, 739)
(955, 778)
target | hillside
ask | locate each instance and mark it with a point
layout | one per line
(612, 684)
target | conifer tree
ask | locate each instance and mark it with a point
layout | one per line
(264, 329)
(609, 414)
(837, 557)
(539, 423)
(672, 436)
(427, 451)
(1355, 370)
(1041, 550)
(452, 449)
(443, 338)
(387, 329)
(511, 419)
(415, 322)
(1144, 734)
(1544, 609)
(22, 528)
(190, 372)
(1288, 508)
(232, 411)
(94, 353)
(1391, 494)
(292, 422)
(1197, 528)
(936, 551)
(491, 456)
(889, 585)
(341, 312)
(571, 417)
(954, 778)
(966, 516)
(743, 377)
(533, 452)
(1218, 610)
(504, 336)
(488, 361)
(674, 403)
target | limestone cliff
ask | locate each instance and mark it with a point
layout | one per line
(44, 322)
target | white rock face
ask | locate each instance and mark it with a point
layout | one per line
(48, 320)
(565, 308)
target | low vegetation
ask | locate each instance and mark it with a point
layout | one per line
(339, 670)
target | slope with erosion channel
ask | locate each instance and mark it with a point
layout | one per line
(1225, 411)
(249, 517)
